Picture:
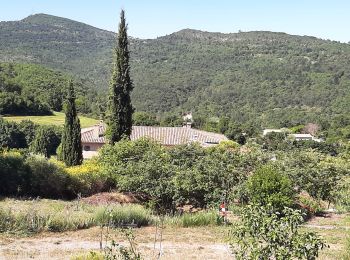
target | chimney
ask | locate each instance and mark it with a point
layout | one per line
(187, 125)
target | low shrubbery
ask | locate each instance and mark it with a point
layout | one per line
(32, 176)
(188, 174)
(267, 234)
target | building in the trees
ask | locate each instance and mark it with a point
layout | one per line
(305, 137)
(93, 138)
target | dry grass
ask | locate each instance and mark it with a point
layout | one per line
(208, 242)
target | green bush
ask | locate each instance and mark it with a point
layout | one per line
(267, 234)
(48, 179)
(14, 174)
(268, 186)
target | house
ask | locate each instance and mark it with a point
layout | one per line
(297, 137)
(305, 137)
(93, 138)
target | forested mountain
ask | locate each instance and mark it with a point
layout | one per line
(30, 89)
(266, 78)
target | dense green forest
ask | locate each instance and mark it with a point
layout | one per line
(29, 89)
(255, 79)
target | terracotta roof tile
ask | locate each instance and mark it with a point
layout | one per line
(163, 135)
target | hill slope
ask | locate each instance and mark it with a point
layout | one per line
(274, 79)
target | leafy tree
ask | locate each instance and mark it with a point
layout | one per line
(145, 119)
(46, 141)
(266, 234)
(119, 113)
(316, 173)
(268, 186)
(11, 136)
(28, 128)
(71, 151)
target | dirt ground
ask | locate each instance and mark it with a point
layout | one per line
(179, 243)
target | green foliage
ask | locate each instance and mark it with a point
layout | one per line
(117, 251)
(265, 234)
(144, 118)
(316, 173)
(28, 128)
(48, 179)
(139, 166)
(119, 111)
(268, 186)
(71, 147)
(14, 174)
(275, 141)
(341, 194)
(11, 135)
(179, 175)
(46, 141)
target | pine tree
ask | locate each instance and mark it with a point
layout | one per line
(119, 111)
(71, 150)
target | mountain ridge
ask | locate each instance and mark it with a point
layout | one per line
(275, 79)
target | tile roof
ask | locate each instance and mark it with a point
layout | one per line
(163, 135)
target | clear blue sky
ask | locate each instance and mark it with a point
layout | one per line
(327, 19)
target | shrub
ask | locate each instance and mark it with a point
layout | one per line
(266, 234)
(267, 186)
(11, 135)
(14, 174)
(48, 179)
(342, 195)
(46, 141)
(88, 178)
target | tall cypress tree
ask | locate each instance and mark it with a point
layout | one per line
(71, 152)
(119, 111)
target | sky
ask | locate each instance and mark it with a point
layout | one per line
(326, 19)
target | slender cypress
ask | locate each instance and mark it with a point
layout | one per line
(71, 152)
(119, 111)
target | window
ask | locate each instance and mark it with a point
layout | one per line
(86, 148)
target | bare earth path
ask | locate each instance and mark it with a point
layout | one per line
(179, 243)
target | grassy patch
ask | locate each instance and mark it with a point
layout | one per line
(203, 218)
(122, 215)
(56, 119)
